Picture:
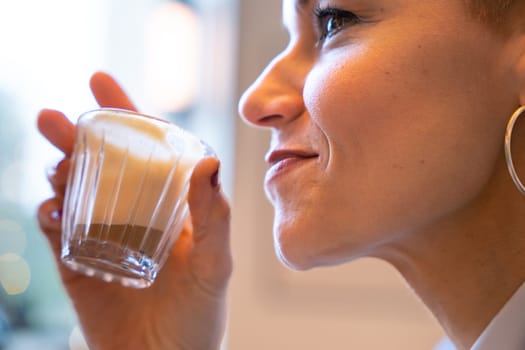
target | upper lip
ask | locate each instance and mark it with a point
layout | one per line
(277, 155)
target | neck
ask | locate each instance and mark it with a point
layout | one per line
(466, 267)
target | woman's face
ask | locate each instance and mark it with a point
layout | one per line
(386, 116)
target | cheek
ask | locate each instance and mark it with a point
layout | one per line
(348, 94)
(402, 130)
(353, 100)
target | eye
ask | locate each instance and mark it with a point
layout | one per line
(331, 20)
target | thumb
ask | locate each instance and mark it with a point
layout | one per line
(210, 219)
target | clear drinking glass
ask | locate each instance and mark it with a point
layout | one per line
(125, 202)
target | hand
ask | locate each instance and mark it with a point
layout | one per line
(185, 307)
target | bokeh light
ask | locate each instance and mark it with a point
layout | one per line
(15, 274)
(172, 56)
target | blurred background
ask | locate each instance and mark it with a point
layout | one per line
(188, 61)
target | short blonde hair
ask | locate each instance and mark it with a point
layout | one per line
(502, 15)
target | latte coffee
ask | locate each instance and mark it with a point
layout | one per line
(126, 195)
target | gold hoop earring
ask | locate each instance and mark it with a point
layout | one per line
(508, 153)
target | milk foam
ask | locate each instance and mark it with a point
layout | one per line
(143, 168)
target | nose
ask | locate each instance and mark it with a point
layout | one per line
(276, 97)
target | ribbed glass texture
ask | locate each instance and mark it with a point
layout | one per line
(125, 202)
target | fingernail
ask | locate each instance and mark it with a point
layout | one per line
(50, 171)
(214, 180)
(56, 215)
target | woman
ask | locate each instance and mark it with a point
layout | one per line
(387, 120)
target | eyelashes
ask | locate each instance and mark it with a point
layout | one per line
(330, 20)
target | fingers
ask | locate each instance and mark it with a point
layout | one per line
(109, 93)
(57, 177)
(49, 217)
(210, 213)
(57, 129)
(61, 132)
(209, 209)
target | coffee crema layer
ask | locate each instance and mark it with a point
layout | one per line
(137, 238)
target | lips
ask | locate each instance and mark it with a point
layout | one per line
(282, 160)
(277, 156)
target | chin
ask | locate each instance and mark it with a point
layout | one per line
(305, 246)
(292, 261)
(296, 247)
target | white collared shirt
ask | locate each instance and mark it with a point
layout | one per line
(506, 331)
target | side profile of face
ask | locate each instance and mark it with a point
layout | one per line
(386, 116)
